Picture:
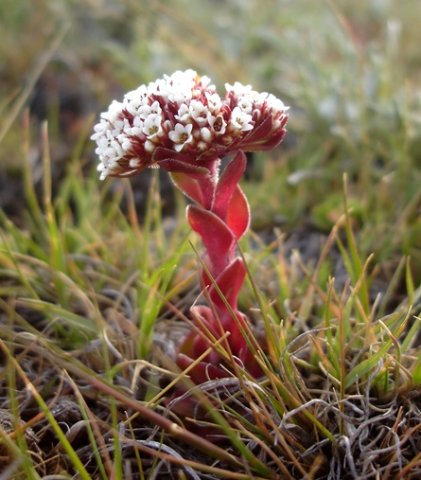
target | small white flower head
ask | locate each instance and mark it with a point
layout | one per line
(149, 146)
(198, 112)
(275, 103)
(245, 103)
(214, 101)
(217, 123)
(136, 129)
(205, 82)
(181, 136)
(156, 108)
(206, 134)
(182, 113)
(125, 142)
(134, 162)
(114, 111)
(240, 121)
(238, 88)
(152, 126)
(146, 110)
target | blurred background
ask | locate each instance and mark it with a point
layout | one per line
(349, 70)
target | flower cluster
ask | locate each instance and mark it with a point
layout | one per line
(182, 117)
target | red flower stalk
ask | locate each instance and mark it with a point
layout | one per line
(180, 123)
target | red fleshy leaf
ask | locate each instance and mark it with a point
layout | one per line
(227, 184)
(268, 145)
(204, 312)
(216, 236)
(197, 341)
(225, 322)
(249, 361)
(188, 186)
(177, 166)
(214, 152)
(236, 340)
(229, 283)
(259, 133)
(202, 372)
(204, 319)
(162, 153)
(208, 326)
(194, 344)
(238, 213)
(125, 174)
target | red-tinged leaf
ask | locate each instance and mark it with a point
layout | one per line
(195, 343)
(216, 236)
(270, 144)
(225, 322)
(188, 186)
(229, 283)
(162, 153)
(249, 361)
(125, 174)
(238, 213)
(236, 340)
(213, 153)
(284, 121)
(259, 133)
(202, 372)
(227, 184)
(204, 318)
(177, 166)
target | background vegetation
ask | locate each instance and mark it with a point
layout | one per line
(96, 278)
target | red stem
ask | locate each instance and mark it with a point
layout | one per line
(220, 217)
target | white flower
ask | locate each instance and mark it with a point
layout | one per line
(134, 162)
(149, 146)
(124, 141)
(183, 113)
(198, 112)
(180, 85)
(159, 87)
(206, 134)
(146, 110)
(156, 108)
(217, 123)
(136, 129)
(104, 171)
(245, 103)
(102, 143)
(240, 121)
(114, 111)
(205, 81)
(238, 88)
(152, 126)
(135, 99)
(214, 101)
(276, 104)
(181, 135)
(186, 77)
(179, 96)
(100, 130)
